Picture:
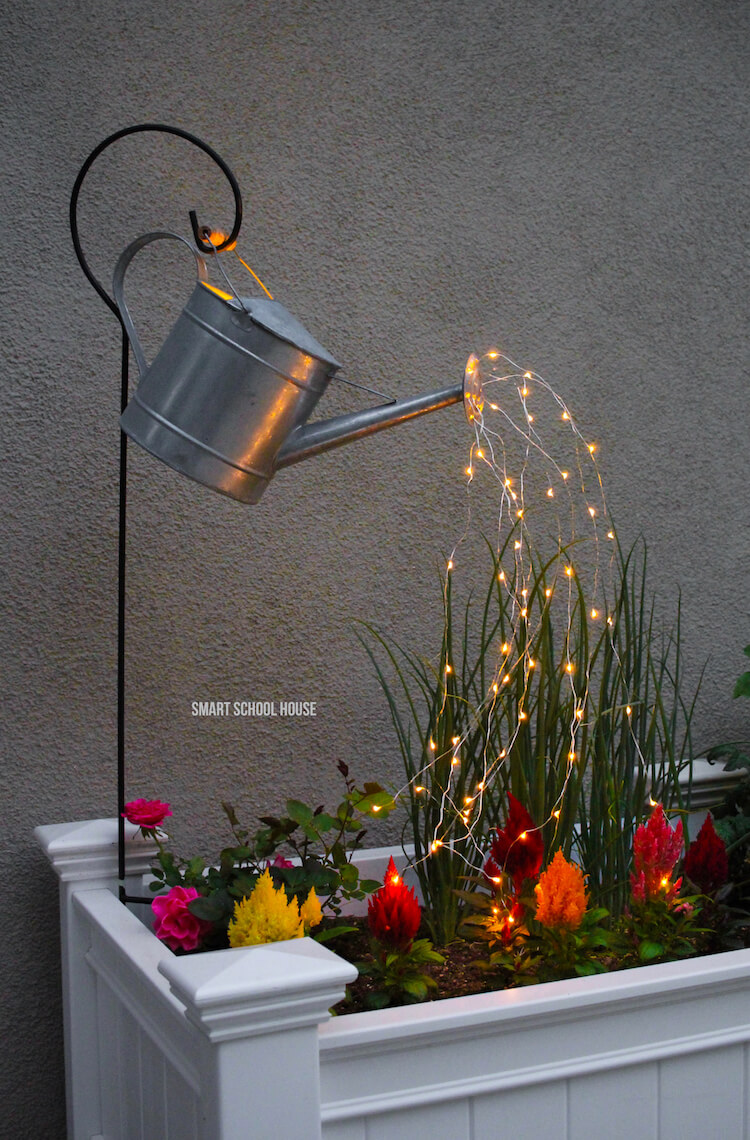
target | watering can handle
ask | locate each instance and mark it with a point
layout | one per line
(118, 283)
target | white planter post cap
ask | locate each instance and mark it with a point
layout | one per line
(87, 849)
(258, 1010)
(238, 993)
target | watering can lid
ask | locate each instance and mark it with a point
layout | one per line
(276, 319)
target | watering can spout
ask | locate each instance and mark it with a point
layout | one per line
(313, 439)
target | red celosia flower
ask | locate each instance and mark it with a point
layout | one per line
(517, 849)
(656, 849)
(706, 863)
(393, 913)
(146, 813)
(174, 923)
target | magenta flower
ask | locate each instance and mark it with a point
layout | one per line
(280, 862)
(146, 813)
(173, 922)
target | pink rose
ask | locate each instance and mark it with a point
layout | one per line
(146, 813)
(280, 862)
(174, 924)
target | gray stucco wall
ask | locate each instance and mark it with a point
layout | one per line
(569, 179)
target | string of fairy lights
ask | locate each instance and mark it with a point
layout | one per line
(512, 412)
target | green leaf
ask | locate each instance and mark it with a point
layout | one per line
(212, 908)
(298, 880)
(333, 932)
(373, 802)
(298, 811)
(378, 1000)
(427, 954)
(415, 987)
(349, 876)
(648, 950)
(586, 969)
(230, 813)
(324, 822)
(369, 885)
(243, 885)
(742, 687)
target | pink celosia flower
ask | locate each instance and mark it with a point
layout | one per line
(146, 813)
(656, 849)
(279, 861)
(173, 922)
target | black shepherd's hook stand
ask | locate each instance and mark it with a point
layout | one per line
(200, 233)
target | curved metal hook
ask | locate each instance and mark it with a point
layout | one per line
(198, 231)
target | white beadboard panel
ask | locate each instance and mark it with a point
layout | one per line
(152, 1082)
(131, 1093)
(626, 1099)
(182, 1108)
(344, 1130)
(448, 1121)
(702, 1096)
(539, 1112)
(109, 1061)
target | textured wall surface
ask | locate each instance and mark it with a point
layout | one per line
(567, 179)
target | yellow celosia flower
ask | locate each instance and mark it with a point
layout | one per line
(266, 915)
(310, 911)
(561, 897)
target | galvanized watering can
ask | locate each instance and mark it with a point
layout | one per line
(227, 398)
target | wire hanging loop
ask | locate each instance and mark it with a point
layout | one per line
(199, 231)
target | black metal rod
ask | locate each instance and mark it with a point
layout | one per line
(198, 234)
(197, 229)
(121, 593)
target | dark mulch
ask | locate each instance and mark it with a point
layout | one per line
(459, 975)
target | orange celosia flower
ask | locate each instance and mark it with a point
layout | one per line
(561, 896)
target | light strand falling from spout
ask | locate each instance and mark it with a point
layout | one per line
(534, 472)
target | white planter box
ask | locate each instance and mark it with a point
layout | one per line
(238, 1044)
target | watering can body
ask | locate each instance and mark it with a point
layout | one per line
(227, 397)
